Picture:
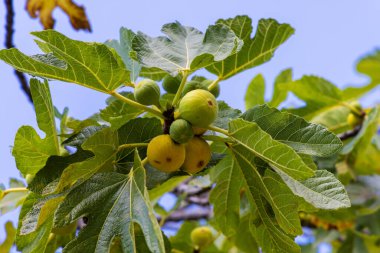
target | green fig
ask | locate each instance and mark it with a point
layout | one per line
(171, 84)
(199, 107)
(201, 237)
(191, 85)
(147, 92)
(181, 131)
(164, 154)
(215, 91)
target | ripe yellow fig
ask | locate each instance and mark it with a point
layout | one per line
(353, 120)
(198, 155)
(199, 107)
(181, 131)
(147, 92)
(201, 237)
(164, 154)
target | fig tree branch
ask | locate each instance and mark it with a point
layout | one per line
(350, 133)
(9, 31)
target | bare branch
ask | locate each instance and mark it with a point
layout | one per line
(9, 31)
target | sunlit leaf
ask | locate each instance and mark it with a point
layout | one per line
(279, 91)
(322, 191)
(255, 51)
(185, 48)
(294, 131)
(255, 92)
(93, 65)
(251, 140)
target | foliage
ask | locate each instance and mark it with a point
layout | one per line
(271, 171)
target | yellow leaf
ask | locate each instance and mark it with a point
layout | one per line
(44, 9)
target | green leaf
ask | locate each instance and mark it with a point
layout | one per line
(103, 145)
(30, 151)
(256, 51)
(185, 48)
(12, 200)
(80, 137)
(279, 91)
(294, 131)
(244, 238)
(225, 114)
(112, 202)
(7, 244)
(370, 65)
(118, 112)
(280, 198)
(255, 92)
(334, 118)
(322, 191)
(167, 186)
(36, 241)
(251, 140)
(124, 48)
(225, 196)
(45, 180)
(315, 89)
(93, 65)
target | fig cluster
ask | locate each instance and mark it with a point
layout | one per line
(182, 146)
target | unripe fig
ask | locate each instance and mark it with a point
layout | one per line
(215, 91)
(191, 85)
(353, 120)
(171, 84)
(164, 154)
(147, 92)
(199, 107)
(181, 131)
(29, 178)
(199, 130)
(198, 155)
(201, 237)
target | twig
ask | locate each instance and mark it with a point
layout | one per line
(9, 31)
(349, 134)
(182, 214)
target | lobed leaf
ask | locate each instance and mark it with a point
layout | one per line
(112, 202)
(93, 65)
(185, 48)
(124, 48)
(255, 51)
(30, 151)
(304, 137)
(279, 91)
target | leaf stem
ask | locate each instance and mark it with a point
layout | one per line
(137, 105)
(145, 161)
(213, 84)
(18, 189)
(131, 145)
(218, 129)
(177, 96)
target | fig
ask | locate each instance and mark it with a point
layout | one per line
(181, 131)
(199, 130)
(353, 120)
(215, 91)
(171, 84)
(191, 85)
(198, 155)
(201, 237)
(164, 154)
(199, 107)
(147, 92)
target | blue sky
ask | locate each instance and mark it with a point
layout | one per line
(330, 37)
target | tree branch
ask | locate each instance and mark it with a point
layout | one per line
(351, 133)
(9, 31)
(183, 214)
